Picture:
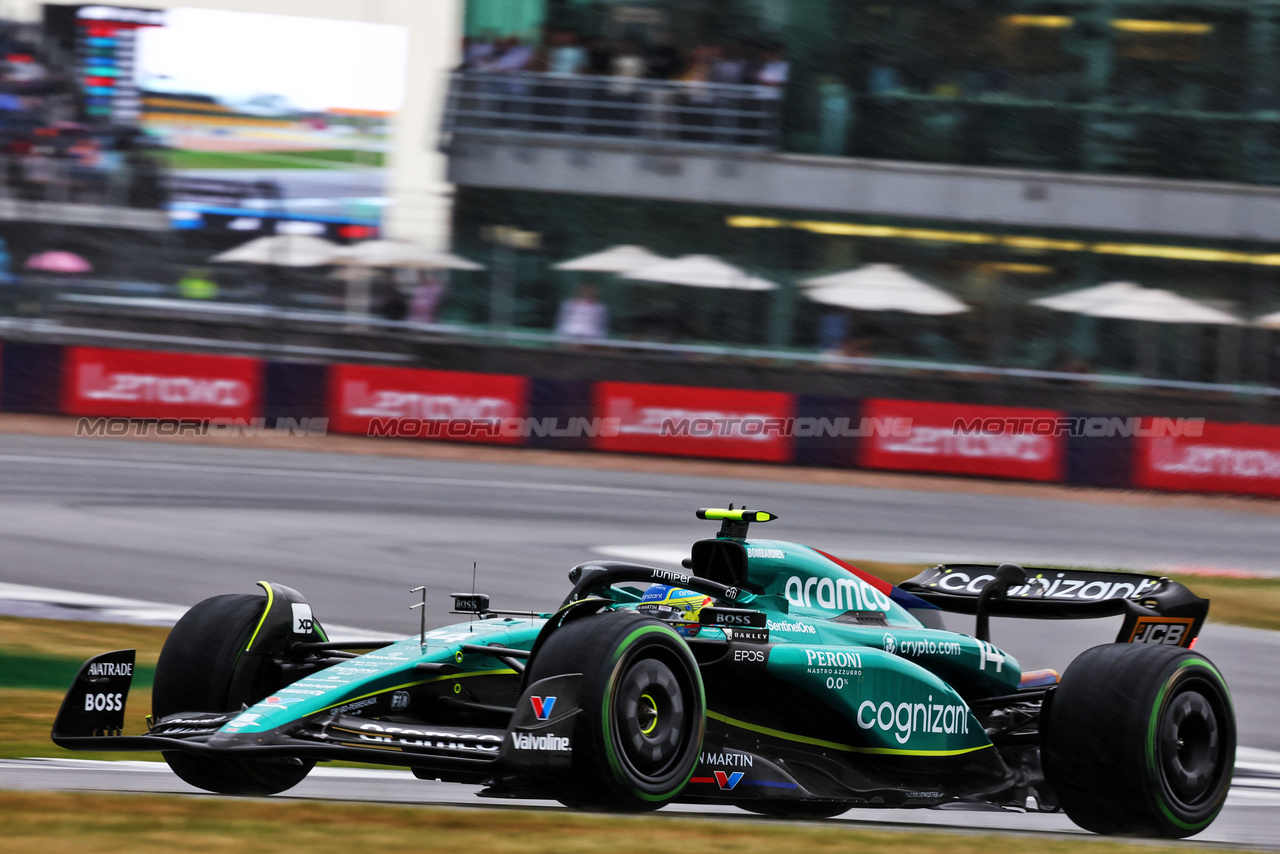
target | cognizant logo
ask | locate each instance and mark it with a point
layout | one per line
(839, 594)
(907, 718)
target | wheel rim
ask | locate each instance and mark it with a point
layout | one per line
(650, 718)
(1191, 746)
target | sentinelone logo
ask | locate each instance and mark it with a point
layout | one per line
(222, 427)
(1095, 427)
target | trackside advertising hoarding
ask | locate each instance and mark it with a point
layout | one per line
(145, 384)
(1240, 458)
(953, 438)
(416, 404)
(688, 421)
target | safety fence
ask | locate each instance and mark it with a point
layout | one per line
(122, 391)
(639, 110)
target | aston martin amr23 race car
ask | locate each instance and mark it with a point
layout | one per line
(770, 675)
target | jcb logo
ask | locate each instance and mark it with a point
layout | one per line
(1168, 631)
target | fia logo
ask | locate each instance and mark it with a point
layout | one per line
(727, 780)
(542, 706)
(399, 701)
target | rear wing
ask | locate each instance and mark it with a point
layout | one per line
(1156, 610)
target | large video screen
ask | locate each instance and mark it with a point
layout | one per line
(302, 105)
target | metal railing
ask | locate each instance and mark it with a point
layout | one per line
(46, 178)
(657, 111)
(378, 329)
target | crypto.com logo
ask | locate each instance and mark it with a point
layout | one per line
(1093, 427)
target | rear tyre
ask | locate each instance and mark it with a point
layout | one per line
(1141, 740)
(637, 738)
(201, 669)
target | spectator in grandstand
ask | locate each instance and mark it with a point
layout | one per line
(426, 297)
(510, 54)
(197, 284)
(583, 316)
(566, 56)
(771, 73)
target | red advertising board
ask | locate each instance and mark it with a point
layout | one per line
(688, 421)
(145, 384)
(1208, 457)
(410, 403)
(953, 438)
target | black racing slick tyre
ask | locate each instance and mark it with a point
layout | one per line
(637, 738)
(200, 670)
(1141, 740)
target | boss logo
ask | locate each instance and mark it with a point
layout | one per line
(103, 702)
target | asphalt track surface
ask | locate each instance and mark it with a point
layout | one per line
(176, 523)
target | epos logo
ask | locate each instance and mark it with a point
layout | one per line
(542, 706)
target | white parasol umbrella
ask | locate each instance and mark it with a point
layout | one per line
(881, 287)
(619, 259)
(402, 253)
(1268, 321)
(283, 250)
(1157, 306)
(1078, 301)
(700, 271)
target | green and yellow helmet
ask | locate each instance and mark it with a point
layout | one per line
(674, 603)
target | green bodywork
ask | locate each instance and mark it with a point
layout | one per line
(892, 688)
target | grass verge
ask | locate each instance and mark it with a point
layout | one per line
(65, 823)
(336, 158)
(1253, 602)
(38, 660)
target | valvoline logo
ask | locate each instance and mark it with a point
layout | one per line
(542, 706)
(727, 780)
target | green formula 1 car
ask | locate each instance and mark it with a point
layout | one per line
(771, 676)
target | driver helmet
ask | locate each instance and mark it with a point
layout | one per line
(674, 604)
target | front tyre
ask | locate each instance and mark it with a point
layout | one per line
(202, 668)
(637, 738)
(1141, 740)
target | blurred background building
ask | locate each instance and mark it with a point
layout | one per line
(858, 186)
(1001, 151)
